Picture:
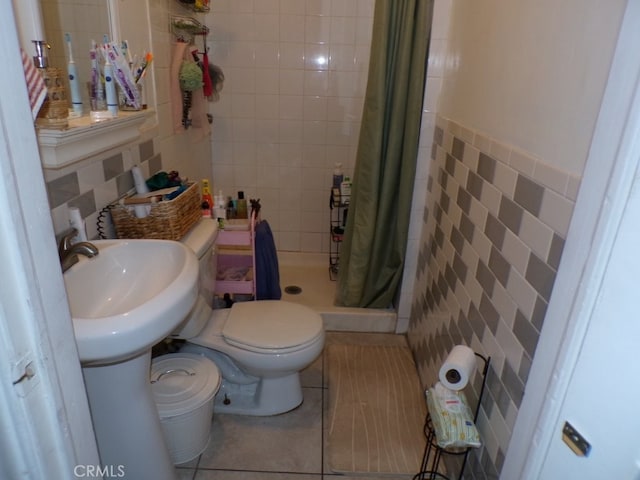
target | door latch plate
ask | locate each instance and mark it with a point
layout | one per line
(575, 441)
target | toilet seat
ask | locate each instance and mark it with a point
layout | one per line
(272, 326)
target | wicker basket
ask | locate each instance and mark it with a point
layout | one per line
(168, 220)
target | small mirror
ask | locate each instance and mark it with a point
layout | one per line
(93, 20)
(86, 21)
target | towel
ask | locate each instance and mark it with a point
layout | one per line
(207, 87)
(267, 272)
(36, 88)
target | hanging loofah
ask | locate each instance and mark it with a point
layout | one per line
(217, 81)
(190, 76)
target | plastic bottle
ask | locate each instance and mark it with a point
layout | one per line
(77, 222)
(338, 176)
(231, 210)
(345, 191)
(206, 197)
(219, 206)
(241, 206)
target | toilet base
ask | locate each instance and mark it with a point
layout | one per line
(241, 393)
(268, 396)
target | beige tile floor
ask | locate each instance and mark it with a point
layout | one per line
(283, 447)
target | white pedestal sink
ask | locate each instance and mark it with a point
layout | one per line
(124, 301)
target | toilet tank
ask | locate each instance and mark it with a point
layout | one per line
(201, 239)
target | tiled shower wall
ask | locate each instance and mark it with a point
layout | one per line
(295, 78)
(494, 231)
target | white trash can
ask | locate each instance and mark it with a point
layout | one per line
(183, 386)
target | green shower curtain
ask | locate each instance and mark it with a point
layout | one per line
(373, 251)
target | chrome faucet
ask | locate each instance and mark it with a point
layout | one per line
(68, 252)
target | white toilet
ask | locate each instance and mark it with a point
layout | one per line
(259, 346)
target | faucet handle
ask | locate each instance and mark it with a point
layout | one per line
(65, 241)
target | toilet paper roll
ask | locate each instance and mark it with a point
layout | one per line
(458, 368)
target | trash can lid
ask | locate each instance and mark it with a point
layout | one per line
(182, 382)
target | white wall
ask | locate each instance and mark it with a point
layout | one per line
(531, 74)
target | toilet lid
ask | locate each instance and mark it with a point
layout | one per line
(271, 324)
(181, 382)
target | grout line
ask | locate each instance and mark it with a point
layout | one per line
(324, 391)
(282, 472)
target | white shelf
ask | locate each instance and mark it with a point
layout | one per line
(59, 148)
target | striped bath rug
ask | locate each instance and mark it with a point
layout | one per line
(376, 411)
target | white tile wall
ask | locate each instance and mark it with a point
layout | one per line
(295, 79)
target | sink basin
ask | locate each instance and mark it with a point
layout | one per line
(129, 297)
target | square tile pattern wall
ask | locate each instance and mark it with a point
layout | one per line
(97, 182)
(494, 230)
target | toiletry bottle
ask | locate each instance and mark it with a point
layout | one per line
(345, 191)
(338, 176)
(76, 221)
(206, 198)
(231, 211)
(206, 210)
(241, 206)
(220, 211)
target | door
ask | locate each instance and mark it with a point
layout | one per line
(586, 349)
(602, 398)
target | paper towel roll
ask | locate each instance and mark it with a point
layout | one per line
(458, 368)
(138, 180)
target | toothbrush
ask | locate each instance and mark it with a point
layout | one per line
(110, 86)
(123, 75)
(126, 53)
(76, 99)
(141, 72)
(97, 93)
